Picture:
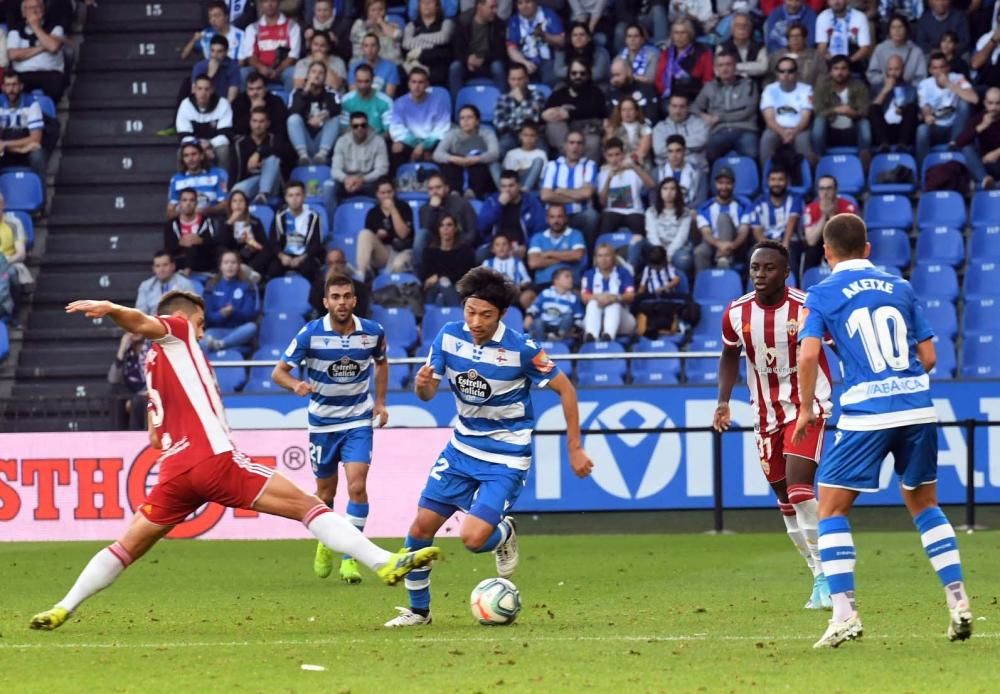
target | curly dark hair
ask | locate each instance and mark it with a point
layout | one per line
(488, 285)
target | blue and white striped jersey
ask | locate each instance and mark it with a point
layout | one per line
(561, 174)
(876, 322)
(773, 218)
(619, 281)
(339, 369)
(210, 185)
(491, 384)
(512, 267)
(550, 306)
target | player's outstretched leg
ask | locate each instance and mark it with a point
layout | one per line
(938, 538)
(836, 548)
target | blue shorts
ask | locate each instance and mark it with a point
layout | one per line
(328, 448)
(484, 490)
(855, 459)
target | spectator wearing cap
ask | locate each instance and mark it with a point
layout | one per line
(693, 181)
(727, 105)
(724, 225)
(841, 112)
(220, 68)
(787, 106)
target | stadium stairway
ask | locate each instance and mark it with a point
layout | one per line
(107, 211)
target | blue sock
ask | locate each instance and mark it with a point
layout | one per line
(498, 536)
(836, 553)
(938, 539)
(356, 514)
(418, 581)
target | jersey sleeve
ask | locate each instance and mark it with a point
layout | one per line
(177, 328)
(297, 348)
(729, 335)
(435, 358)
(813, 323)
(922, 330)
(537, 365)
(381, 345)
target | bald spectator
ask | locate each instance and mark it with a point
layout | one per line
(624, 85)
(893, 113)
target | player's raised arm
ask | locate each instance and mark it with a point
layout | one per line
(129, 319)
(578, 458)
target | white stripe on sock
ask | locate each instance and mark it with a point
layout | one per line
(826, 541)
(947, 559)
(941, 532)
(835, 567)
(417, 585)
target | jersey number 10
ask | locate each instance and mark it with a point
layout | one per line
(883, 335)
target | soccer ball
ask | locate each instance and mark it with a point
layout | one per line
(495, 602)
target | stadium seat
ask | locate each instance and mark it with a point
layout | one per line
(704, 369)
(836, 370)
(747, 183)
(889, 212)
(984, 243)
(815, 275)
(230, 378)
(555, 347)
(22, 190)
(717, 285)
(935, 158)
(981, 356)
(941, 208)
(806, 179)
(981, 315)
(513, 318)
(890, 247)
(935, 281)
(482, 96)
(289, 294)
(399, 374)
(348, 221)
(259, 379)
(414, 172)
(435, 318)
(710, 321)
(601, 372)
(312, 177)
(659, 371)
(985, 209)
(887, 162)
(400, 325)
(277, 329)
(944, 369)
(941, 245)
(846, 169)
(619, 240)
(28, 224)
(385, 279)
(942, 317)
(266, 216)
(4, 341)
(891, 269)
(198, 283)
(982, 280)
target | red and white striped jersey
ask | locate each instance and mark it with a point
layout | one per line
(184, 400)
(769, 338)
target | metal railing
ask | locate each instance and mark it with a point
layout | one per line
(593, 356)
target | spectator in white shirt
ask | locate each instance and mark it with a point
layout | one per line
(36, 51)
(843, 30)
(527, 160)
(788, 109)
(944, 99)
(619, 189)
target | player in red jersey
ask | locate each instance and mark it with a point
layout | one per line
(199, 462)
(764, 324)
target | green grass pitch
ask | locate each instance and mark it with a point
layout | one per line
(643, 613)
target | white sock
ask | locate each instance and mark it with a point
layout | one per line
(336, 532)
(807, 515)
(99, 573)
(799, 540)
(843, 606)
(955, 593)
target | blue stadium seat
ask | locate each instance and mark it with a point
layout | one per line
(266, 216)
(659, 371)
(942, 317)
(888, 212)
(289, 294)
(985, 209)
(981, 356)
(277, 329)
(747, 183)
(935, 158)
(941, 208)
(619, 240)
(890, 247)
(384, 279)
(981, 315)
(805, 173)
(985, 243)
(28, 224)
(4, 341)
(435, 318)
(710, 321)
(513, 318)
(982, 279)
(815, 275)
(601, 372)
(887, 162)
(22, 190)
(947, 361)
(259, 379)
(703, 370)
(400, 325)
(324, 219)
(415, 171)
(846, 169)
(941, 245)
(230, 378)
(555, 347)
(891, 269)
(482, 96)
(348, 221)
(935, 281)
(399, 374)
(312, 177)
(717, 285)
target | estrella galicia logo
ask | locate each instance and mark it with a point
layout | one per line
(344, 370)
(473, 387)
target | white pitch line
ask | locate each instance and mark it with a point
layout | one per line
(652, 638)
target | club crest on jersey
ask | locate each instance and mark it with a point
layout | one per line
(792, 326)
(473, 387)
(344, 370)
(501, 355)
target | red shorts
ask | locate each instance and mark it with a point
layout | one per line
(230, 479)
(773, 448)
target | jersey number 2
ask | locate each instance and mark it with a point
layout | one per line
(883, 335)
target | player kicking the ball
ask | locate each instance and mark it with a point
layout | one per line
(765, 324)
(482, 470)
(886, 349)
(199, 462)
(340, 352)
